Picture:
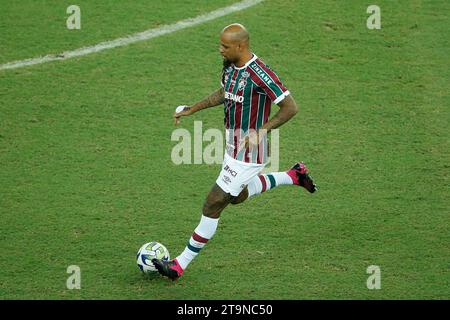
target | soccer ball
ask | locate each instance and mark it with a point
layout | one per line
(149, 251)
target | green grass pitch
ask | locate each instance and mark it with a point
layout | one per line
(85, 152)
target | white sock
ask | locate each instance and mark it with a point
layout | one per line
(204, 231)
(265, 182)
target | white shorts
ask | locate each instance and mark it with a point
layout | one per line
(235, 175)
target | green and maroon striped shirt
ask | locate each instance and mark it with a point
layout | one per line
(249, 94)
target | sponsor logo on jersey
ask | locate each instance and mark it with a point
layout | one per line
(262, 74)
(234, 97)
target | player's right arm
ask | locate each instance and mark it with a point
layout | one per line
(214, 99)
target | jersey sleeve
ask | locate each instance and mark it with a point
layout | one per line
(269, 81)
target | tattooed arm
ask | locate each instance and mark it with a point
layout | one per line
(214, 99)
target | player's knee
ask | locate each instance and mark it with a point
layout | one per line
(236, 200)
(214, 204)
(240, 198)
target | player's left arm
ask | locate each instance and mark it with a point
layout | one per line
(288, 109)
(280, 95)
(269, 81)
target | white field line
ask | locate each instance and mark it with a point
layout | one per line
(141, 36)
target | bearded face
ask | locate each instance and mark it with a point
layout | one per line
(226, 63)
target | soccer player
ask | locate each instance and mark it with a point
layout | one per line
(249, 87)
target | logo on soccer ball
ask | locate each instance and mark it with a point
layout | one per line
(149, 251)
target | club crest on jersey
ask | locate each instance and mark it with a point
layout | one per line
(242, 84)
(234, 97)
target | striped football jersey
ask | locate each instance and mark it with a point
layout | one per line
(249, 94)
